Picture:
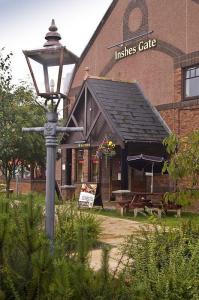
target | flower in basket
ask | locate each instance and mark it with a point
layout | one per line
(106, 148)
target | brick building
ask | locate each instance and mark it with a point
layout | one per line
(155, 45)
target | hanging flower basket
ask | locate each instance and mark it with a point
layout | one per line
(106, 148)
(80, 161)
(95, 159)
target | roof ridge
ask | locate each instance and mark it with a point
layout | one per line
(129, 127)
(110, 79)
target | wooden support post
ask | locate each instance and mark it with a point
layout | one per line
(135, 212)
(179, 212)
(159, 213)
(122, 211)
(124, 169)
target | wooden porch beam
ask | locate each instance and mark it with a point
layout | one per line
(85, 109)
(76, 125)
(93, 124)
(124, 169)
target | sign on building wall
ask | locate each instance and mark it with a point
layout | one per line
(87, 195)
(140, 47)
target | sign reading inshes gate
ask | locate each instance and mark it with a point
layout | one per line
(142, 46)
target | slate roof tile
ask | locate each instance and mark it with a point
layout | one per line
(131, 114)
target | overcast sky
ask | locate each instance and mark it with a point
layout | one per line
(24, 23)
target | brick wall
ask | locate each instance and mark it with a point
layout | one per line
(38, 186)
(28, 186)
(183, 119)
(178, 73)
(24, 187)
(161, 183)
(159, 71)
(130, 18)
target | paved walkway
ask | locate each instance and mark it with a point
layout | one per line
(114, 231)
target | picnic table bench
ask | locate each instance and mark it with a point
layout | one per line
(140, 201)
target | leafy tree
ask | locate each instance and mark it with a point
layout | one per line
(183, 166)
(18, 109)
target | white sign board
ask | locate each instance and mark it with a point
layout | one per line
(119, 176)
(86, 199)
(148, 174)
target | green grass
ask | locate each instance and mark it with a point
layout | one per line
(39, 197)
(169, 220)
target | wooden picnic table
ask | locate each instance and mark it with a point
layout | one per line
(142, 200)
(139, 201)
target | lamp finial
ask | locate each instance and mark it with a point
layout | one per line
(52, 36)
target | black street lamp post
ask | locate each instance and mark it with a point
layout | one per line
(52, 55)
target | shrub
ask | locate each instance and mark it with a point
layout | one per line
(161, 265)
(69, 222)
(28, 270)
(164, 264)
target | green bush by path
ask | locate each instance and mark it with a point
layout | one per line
(28, 270)
(69, 221)
(165, 264)
(161, 265)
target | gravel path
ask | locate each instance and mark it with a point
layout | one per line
(114, 231)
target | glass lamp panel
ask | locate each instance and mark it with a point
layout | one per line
(48, 66)
(66, 78)
(53, 78)
(38, 73)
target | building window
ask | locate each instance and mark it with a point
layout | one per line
(192, 82)
(94, 166)
(79, 165)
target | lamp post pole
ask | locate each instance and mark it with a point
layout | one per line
(53, 54)
(50, 131)
(51, 144)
